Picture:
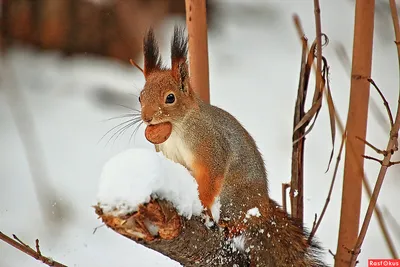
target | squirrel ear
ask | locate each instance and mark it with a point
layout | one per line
(152, 57)
(181, 74)
(179, 50)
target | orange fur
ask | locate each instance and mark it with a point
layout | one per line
(209, 187)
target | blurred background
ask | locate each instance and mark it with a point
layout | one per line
(65, 72)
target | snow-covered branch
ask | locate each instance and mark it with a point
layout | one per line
(154, 201)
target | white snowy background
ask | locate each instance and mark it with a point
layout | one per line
(254, 66)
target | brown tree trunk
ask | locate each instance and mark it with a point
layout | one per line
(196, 20)
(356, 127)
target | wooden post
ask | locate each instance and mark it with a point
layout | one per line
(196, 20)
(356, 127)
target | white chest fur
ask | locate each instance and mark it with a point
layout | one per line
(176, 150)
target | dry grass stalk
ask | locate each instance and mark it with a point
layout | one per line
(302, 119)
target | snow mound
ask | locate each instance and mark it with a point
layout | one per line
(133, 176)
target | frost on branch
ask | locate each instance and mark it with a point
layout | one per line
(154, 201)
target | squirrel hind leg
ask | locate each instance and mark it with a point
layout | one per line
(209, 187)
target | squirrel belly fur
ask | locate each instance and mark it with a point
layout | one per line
(223, 158)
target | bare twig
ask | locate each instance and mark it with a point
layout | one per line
(391, 163)
(372, 158)
(328, 198)
(38, 247)
(384, 101)
(377, 150)
(393, 139)
(28, 250)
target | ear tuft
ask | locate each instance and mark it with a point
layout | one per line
(152, 57)
(179, 51)
(179, 45)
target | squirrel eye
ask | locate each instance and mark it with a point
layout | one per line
(170, 99)
(139, 99)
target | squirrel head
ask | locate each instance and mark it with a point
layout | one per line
(167, 94)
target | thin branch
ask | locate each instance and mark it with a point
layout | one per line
(377, 150)
(328, 198)
(391, 163)
(393, 138)
(38, 247)
(372, 158)
(384, 101)
(18, 244)
(22, 243)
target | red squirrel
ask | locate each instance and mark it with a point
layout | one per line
(222, 157)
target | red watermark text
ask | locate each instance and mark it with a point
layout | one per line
(383, 262)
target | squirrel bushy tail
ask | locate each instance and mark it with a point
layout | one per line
(277, 240)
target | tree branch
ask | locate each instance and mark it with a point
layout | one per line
(18, 244)
(188, 242)
(384, 101)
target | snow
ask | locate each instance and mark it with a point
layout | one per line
(216, 209)
(131, 177)
(253, 212)
(239, 242)
(254, 67)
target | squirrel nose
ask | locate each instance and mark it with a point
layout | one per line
(147, 119)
